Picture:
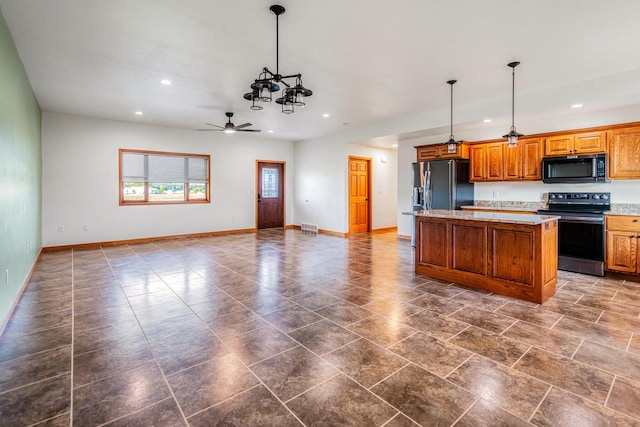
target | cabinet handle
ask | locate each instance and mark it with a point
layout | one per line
(635, 220)
(633, 236)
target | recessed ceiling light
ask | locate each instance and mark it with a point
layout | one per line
(165, 82)
(270, 131)
(486, 121)
(577, 106)
(325, 115)
(139, 113)
(394, 145)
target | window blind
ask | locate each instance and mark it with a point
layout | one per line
(161, 168)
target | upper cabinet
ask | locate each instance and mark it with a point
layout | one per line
(580, 143)
(486, 162)
(624, 153)
(441, 152)
(522, 163)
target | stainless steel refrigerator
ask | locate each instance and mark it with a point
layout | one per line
(440, 184)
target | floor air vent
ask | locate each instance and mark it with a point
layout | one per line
(309, 228)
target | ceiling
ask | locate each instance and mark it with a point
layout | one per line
(367, 62)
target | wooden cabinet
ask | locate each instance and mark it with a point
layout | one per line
(518, 260)
(623, 239)
(580, 143)
(624, 153)
(523, 163)
(441, 152)
(486, 162)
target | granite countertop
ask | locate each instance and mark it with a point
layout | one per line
(485, 216)
(500, 208)
(624, 209)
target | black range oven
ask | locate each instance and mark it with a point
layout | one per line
(580, 230)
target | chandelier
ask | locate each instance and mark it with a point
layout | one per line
(262, 89)
(452, 143)
(513, 134)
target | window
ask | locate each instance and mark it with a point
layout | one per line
(269, 183)
(156, 177)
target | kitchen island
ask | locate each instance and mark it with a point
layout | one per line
(507, 254)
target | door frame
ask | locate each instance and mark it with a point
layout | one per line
(370, 204)
(284, 190)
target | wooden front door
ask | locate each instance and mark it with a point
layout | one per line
(359, 207)
(270, 195)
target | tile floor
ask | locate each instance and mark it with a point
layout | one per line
(284, 328)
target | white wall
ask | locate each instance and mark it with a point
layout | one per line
(625, 191)
(80, 180)
(321, 186)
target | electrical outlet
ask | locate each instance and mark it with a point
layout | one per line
(495, 194)
(60, 228)
(85, 227)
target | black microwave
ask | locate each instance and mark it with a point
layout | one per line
(580, 168)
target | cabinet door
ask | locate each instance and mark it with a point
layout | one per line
(427, 153)
(622, 248)
(494, 161)
(591, 142)
(432, 238)
(624, 153)
(560, 145)
(477, 162)
(531, 159)
(513, 162)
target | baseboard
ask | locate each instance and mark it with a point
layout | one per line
(332, 233)
(384, 230)
(145, 240)
(296, 227)
(5, 321)
(403, 237)
(291, 227)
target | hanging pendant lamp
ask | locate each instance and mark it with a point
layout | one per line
(513, 135)
(452, 144)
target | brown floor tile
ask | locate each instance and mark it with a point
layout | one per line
(59, 421)
(107, 362)
(293, 372)
(493, 322)
(155, 314)
(393, 309)
(382, 330)
(22, 345)
(578, 378)
(486, 414)
(438, 304)
(610, 359)
(208, 311)
(35, 322)
(323, 337)
(255, 407)
(479, 300)
(365, 362)
(239, 322)
(344, 313)
(545, 339)
(268, 303)
(435, 325)
(532, 315)
(592, 331)
(618, 321)
(400, 421)
(34, 367)
(341, 401)
(163, 413)
(436, 356)
(291, 318)
(634, 345)
(356, 295)
(260, 344)
(112, 398)
(440, 289)
(619, 307)
(509, 389)
(201, 386)
(561, 408)
(100, 318)
(315, 300)
(106, 336)
(495, 347)
(625, 396)
(36, 402)
(582, 312)
(424, 397)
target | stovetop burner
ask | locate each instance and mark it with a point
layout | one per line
(595, 203)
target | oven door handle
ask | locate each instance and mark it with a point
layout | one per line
(582, 219)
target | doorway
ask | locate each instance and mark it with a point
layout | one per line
(270, 194)
(359, 191)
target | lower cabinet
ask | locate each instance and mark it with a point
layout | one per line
(622, 241)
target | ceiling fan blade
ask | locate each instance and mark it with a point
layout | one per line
(248, 130)
(209, 130)
(243, 126)
(216, 126)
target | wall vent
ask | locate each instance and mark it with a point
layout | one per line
(309, 228)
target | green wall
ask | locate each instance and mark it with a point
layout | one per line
(20, 173)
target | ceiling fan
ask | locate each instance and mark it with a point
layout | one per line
(230, 127)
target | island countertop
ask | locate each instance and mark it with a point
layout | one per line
(485, 216)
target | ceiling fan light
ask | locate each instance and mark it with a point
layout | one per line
(230, 131)
(288, 107)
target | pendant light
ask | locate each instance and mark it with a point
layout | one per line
(452, 144)
(513, 135)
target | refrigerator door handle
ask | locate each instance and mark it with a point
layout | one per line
(451, 185)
